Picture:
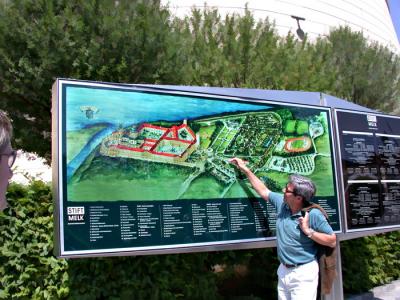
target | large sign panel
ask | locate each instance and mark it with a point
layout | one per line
(141, 170)
(370, 158)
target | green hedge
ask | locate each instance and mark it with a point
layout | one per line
(370, 261)
(28, 269)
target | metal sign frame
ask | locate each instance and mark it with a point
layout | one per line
(366, 231)
(59, 173)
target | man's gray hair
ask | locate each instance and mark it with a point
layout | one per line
(5, 130)
(302, 186)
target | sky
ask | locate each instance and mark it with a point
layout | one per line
(395, 12)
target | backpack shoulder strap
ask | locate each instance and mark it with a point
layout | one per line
(314, 205)
(326, 259)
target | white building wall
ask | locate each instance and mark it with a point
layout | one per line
(369, 16)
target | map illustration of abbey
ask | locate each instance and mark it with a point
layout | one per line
(188, 157)
(220, 139)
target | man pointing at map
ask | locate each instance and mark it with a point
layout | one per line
(296, 235)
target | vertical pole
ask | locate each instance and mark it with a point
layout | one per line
(322, 100)
(337, 288)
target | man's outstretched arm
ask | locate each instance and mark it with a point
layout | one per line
(257, 184)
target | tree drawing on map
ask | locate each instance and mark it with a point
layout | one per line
(163, 147)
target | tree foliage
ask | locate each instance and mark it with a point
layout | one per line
(120, 41)
(140, 42)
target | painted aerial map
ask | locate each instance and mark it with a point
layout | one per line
(128, 145)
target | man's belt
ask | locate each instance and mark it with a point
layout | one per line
(293, 266)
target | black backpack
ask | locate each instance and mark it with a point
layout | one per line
(326, 259)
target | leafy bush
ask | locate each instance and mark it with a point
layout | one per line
(370, 261)
(28, 269)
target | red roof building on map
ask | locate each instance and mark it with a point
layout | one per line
(161, 141)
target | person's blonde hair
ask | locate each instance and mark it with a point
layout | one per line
(5, 130)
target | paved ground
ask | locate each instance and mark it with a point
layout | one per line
(389, 291)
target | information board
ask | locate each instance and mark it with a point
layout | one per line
(370, 159)
(140, 170)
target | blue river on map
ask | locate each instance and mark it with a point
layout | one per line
(126, 107)
(122, 108)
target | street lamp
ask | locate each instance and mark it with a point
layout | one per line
(299, 31)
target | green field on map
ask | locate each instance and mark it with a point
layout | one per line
(188, 159)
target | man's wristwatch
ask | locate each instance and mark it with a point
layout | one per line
(310, 233)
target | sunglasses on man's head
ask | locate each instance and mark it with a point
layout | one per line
(11, 157)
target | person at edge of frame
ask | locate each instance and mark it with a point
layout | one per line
(296, 234)
(7, 157)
